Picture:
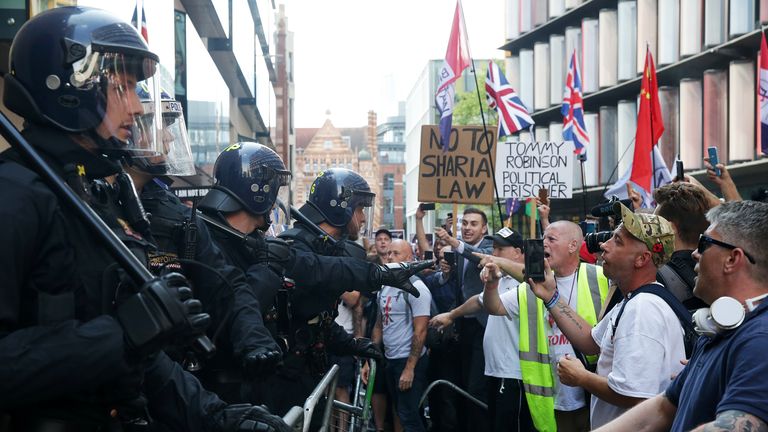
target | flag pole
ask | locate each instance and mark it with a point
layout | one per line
(485, 127)
(582, 158)
(653, 144)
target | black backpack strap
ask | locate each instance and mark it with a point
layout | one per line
(683, 315)
(674, 283)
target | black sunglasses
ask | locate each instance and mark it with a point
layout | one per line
(706, 241)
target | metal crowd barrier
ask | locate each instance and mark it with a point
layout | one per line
(338, 416)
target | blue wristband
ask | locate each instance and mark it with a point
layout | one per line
(553, 301)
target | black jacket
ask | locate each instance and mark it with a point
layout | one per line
(231, 302)
(62, 353)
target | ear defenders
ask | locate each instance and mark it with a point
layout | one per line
(725, 314)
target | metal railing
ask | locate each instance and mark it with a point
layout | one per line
(338, 416)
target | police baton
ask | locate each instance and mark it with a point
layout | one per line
(132, 266)
(299, 216)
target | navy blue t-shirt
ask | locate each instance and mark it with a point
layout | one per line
(728, 372)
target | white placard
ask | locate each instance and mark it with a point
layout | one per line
(523, 167)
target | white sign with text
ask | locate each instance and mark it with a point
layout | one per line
(522, 168)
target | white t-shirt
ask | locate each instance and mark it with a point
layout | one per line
(641, 356)
(567, 398)
(344, 318)
(500, 340)
(396, 321)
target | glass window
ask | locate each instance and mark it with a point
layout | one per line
(389, 206)
(328, 144)
(389, 181)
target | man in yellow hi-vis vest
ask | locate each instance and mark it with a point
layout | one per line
(640, 341)
(553, 406)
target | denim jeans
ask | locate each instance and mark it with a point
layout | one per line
(407, 402)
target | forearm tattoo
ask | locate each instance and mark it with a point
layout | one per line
(734, 420)
(566, 310)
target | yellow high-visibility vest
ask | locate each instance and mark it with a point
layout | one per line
(535, 365)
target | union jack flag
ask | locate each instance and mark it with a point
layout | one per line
(135, 21)
(573, 110)
(513, 115)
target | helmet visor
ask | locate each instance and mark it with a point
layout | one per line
(279, 215)
(364, 227)
(270, 175)
(360, 198)
(118, 75)
(175, 155)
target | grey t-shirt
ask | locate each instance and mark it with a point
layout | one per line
(397, 322)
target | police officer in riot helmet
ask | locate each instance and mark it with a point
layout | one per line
(340, 202)
(80, 345)
(248, 179)
(184, 241)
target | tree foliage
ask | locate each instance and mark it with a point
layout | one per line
(466, 111)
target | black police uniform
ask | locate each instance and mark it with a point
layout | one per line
(237, 323)
(319, 280)
(62, 350)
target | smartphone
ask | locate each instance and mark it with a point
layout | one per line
(679, 169)
(427, 206)
(713, 160)
(450, 258)
(544, 196)
(534, 259)
(429, 255)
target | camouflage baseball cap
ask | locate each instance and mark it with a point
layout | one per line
(653, 230)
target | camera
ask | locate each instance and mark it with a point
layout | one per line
(594, 239)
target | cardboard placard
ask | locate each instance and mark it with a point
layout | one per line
(463, 174)
(525, 167)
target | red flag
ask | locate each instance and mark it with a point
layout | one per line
(650, 126)
(762, 98)
(456, 60)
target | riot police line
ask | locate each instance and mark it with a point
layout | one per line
(99, 329)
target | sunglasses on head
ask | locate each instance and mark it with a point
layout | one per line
(706, 241)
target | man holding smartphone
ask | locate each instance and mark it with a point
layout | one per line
(553, 405)
(640, 341)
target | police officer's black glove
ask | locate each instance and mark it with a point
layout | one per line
(364, 347)
(397, 275)
(272, 251)
(261, 361)
(243, 417)
(279, 253)
(162, 310)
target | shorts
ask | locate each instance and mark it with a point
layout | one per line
(347, 372)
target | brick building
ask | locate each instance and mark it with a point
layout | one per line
(332, 147)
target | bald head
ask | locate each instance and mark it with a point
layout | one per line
(570, 230)
(562, 240)
(399, 251)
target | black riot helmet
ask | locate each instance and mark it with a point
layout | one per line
(335, 195)
(248, 177)
(76, 69)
